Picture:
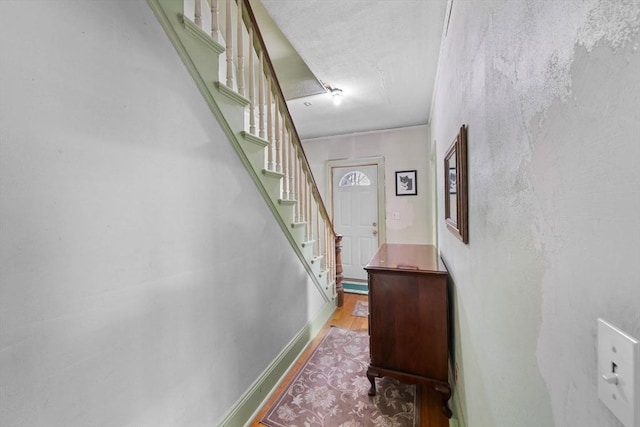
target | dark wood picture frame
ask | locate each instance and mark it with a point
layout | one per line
(410, 188)
(456, 203)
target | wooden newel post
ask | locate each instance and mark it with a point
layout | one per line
(339, 276)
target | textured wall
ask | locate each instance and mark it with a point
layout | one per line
(550, 93)
(402, 149)
(141, 272)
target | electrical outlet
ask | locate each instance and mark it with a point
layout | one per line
(618, 373)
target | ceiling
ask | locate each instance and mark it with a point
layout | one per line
(382, 54)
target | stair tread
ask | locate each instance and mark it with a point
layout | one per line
(254, 139)
(197, 32)
(231, 94)
(272, 174)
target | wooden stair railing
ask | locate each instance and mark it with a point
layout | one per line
(291, 143)
(269, 123)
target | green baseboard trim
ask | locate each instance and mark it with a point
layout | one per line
(457, 420)
(247, 407)
(356, 288)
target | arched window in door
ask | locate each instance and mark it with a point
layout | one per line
(353, 178)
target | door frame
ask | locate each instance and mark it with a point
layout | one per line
(377, 161)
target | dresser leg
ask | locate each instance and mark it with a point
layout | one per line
(372, 375)
(446, 395)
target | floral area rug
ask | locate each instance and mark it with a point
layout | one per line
(361, 309)
(331, 390)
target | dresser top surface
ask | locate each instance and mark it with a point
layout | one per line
(405, 257)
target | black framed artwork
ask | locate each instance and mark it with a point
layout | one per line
(407, 183)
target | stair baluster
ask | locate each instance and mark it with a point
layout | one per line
(318, 251)
(338, 271)
(292, 151)
(303, 198)
(229, 45)
(252, 86)
(215, 26)
(285, 163)
(261, 96)
(197, 19)
(298, 190)
(240, 46)
(308, 205)
(276, 118)
(269, 125)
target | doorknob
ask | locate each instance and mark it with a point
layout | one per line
(374, 224)
(375, 232)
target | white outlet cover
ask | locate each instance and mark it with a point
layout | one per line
(618, 351)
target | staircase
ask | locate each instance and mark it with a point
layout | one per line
(221, 45)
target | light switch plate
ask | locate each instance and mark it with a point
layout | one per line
(618, 373)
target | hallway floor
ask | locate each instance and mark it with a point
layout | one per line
(429, 410)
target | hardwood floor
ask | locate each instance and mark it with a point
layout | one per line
(430, 414)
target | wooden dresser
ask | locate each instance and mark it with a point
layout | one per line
(408, 318)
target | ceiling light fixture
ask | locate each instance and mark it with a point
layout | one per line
(335, 92)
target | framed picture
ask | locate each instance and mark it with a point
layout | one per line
(456, 212)
(406, 183)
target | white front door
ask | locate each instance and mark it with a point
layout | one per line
(355, 216)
